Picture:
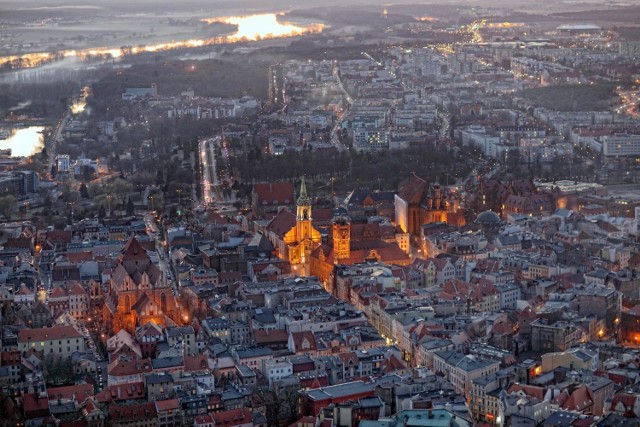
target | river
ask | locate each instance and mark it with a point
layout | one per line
(250, 28)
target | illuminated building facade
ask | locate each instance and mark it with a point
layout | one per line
(418, 203)
(294, 236)
(352, 244)
(138, 292)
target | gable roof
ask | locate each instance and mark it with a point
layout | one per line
(76, 289)
(274, 193)
(47, 334)
(282, 223)
(167, 405)
(232, 417)
(133, 250)
(304, 341)
(266, 337)
(77, 392)
(579, 400)
(413, 189)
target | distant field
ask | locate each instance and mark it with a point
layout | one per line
(572, 97)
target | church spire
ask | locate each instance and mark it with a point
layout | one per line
(303, 198)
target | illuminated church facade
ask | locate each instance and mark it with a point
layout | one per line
(419, 203)
(293, 235)
(138, 292)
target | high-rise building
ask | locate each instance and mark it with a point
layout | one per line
(64, 163)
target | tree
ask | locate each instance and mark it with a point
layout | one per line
(57, 371)
(130, 207)
(84, 192)
(88, 173)
(7, 204)
(281, 404)
(53, 171)
(159, 177)
(8, 415)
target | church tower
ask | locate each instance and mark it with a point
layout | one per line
(304, 228)
(341, 235)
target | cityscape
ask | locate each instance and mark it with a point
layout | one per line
(319, 214)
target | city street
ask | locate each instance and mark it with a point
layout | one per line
(336, 128)
(210, 183)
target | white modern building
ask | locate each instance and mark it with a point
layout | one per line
(64, 163)
(621, 145)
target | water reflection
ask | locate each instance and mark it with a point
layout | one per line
(250, 27)
(24, 142)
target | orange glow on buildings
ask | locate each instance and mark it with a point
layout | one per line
(427, 19)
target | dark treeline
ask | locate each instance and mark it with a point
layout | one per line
(45, 99)
(232, 76)
(383, 170)
(572, 97)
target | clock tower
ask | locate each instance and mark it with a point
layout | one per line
(341, 235)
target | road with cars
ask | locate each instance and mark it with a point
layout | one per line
(210, 182)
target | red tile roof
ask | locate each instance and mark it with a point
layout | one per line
(133, 250)
(35, 408)
(304, 341)
(24, 290)
(276, 193)
(196, 363)
(627, 403)
(233, 417)
(348, 358)
(59, 236)
(123, 413)
(167, 405)
(58, 292)
(18, 243)
(77, 392)
(529, 390)
(314, 381)
(270, 337)
(579, 400)
(130, 367)
(203, 420)
(282, 223)
(121, 392)
(48, 334)
(76, 289)
(76, 257)
(392, 364)
(322, 215)
(10, 358)
(413, 189)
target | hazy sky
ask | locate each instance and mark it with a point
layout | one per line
(161, 4)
